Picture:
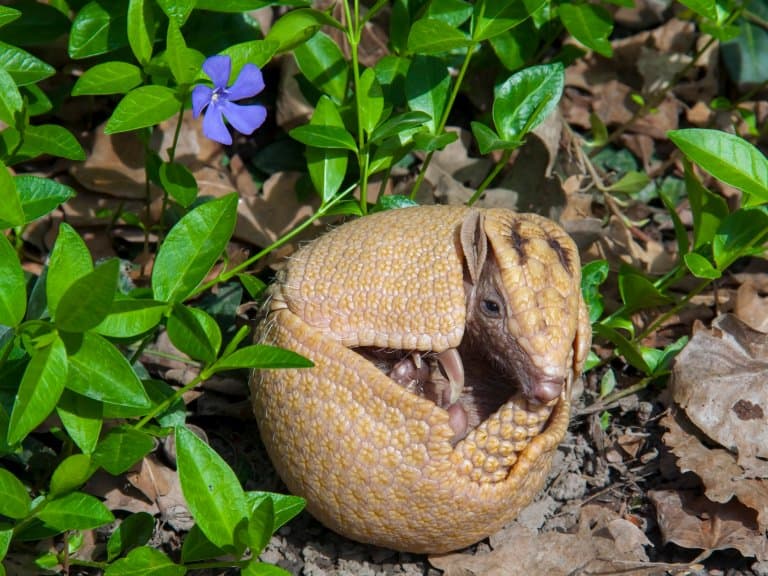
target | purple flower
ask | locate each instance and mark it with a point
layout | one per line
(219, 99)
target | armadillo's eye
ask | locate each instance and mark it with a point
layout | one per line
(491, 308)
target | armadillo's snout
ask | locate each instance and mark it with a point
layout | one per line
(548, 389)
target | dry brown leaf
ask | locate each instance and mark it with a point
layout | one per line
(456, 161)
(604, 542)
(692, 521)
(161, 485)
(720, 379)
(751, 307)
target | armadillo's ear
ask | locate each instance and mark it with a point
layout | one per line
(474, 243)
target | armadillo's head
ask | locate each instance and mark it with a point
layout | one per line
(523, 314)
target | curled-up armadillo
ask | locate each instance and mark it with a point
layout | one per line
(445, 341)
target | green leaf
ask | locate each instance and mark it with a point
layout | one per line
(11, 102)
(40, 388)
(13, 291)
(371, 101)
(128, 318)
(744, 54)
(6, 535)
(327, 166)
(488, 140)
(253, 285)
(428, 36)
(98, 370)
(298, 26)
(392, 202)
(108, 78)
(637, 292)
(11, 211)
(145, 561)
(8, 15)
(70, 260)
(261, 356)
(15, 502)
(321, 61)
(141, 23)
(286, 506)
(607, 383)
(70, 474)
(141, 107)
(194, 332)
(324, 137)
(49, 139)
(705, 8)
(98, 28)
(708, 209)
(430, 142)
(526, 98)
(258, 52)
(185, 63)
(624, 347)
(88, 299)
(700, 266)
(197, 547)
(257, 568)
(738, 234)
(177, 11)
(211, 489)
(589, 24)
(400, 124)
(260, 526)
(426, 88)
(39, 195)
(453, 12)
(179, 182)
(593, 274)
(121, 448)
(631, 183)
(192, 247)
(82, 419)
(75, 511)
(22, 66)
(135, 530)
(727, 157)
(494, 17)
(681, 233)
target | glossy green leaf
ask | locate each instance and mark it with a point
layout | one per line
(631, 183)
(22, 66)
(6, 535)
(371, 101)
(624, 347)
(241, 5)
(428, 36)
(75, 511)
(135, 530)
(11, 102)
(593, 274)
(141, 23)
(179, 182)
(121, 448)
(589, 24)
(257, 52)
(194, 332)
(526, 98)
(705, 8)
(100, 372)
(98, 28)
(681, 232)
(212, 491)
(708, 209)
(40, 196)
(69, 260)
(254, 286)
(15, 502)
(8, 15)
(426, 87)
(262, 356)
(13, 291)
(145, 561)
(494, 17)
(321, 61)
(260, 526)
(324, 137)
(453, 12)
(11, 211)
(49, 139)
(185, 63)
(70, 474)
(108, 78)
(738, 234)
(327, 166)
(286, 506)
(298, 26)
(431, 142)
(197, 547)
(488, 140)
(82, 419)
(400, 124)
(177, 10)
(40, 388)
(88, 300)
(257, 568)
(727, 157)
(744, 55)
(637, 292)
(128, 318)
(393, 202)
(141, 107)
(192, 247)
(700, 266)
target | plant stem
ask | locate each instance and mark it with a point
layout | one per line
(488, 179)
(165, 404)
(353, 37)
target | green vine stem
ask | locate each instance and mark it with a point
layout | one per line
(492, 174)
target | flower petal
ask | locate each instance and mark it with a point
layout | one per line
(218, 68)
(249, 83)
(201, 97)
(213, 125)
(245, 119)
